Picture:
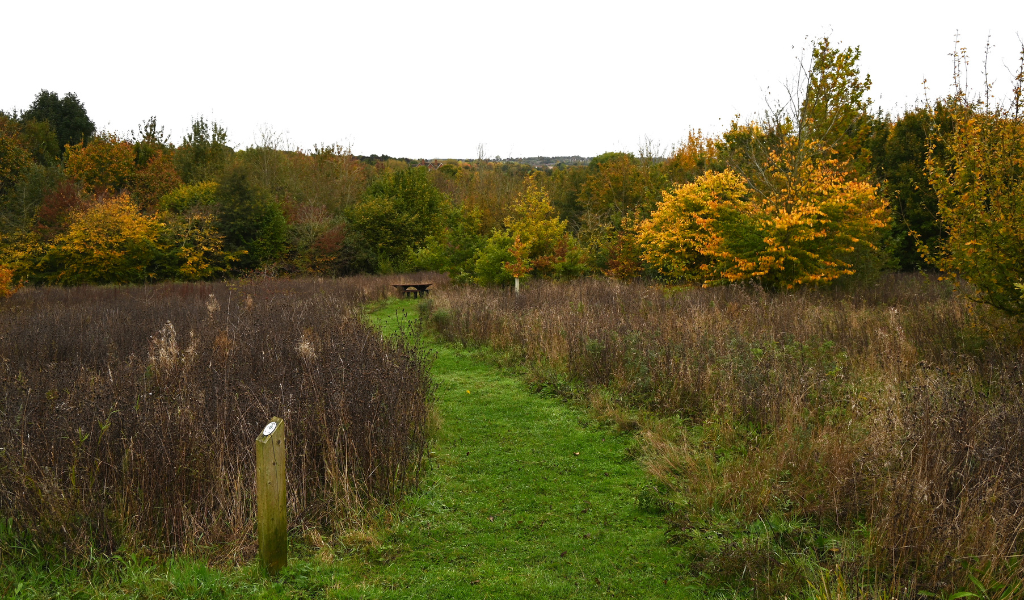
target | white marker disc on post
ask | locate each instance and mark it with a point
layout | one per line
(269, 429)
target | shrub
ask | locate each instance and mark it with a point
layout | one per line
(192, 248)
(187, 197)
(6, 281)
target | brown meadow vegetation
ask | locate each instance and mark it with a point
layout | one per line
(128, 415)
(878, 430)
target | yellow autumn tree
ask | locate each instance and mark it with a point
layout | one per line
(110, 241)
(534, 241)
(541, 236)
(805, 230)
(979, 181)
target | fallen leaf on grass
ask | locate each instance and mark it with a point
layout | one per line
(575, 453)
(474, 582)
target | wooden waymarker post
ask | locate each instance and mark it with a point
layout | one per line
(272, 497)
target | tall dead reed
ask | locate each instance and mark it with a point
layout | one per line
(897, 407)
(128, 415)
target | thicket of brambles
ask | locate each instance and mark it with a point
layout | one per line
(818, 189)
(129, 413)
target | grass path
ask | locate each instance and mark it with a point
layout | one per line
(527, 498)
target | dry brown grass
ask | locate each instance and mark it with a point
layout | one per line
(128, 415)
(896, 408)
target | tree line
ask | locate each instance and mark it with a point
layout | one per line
(822, 187)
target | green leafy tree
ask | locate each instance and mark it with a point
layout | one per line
(564, 185)
(67, 116)
(834, 112)
(252, 221)
(452, 249)
(14, 158)
(400, 210)
(20, 207)
(618, 183)
(899, 161)
(149, 140)
(41, 140)
(490, 260)
(204, 153)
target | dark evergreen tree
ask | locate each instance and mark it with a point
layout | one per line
(250, 219)
(898, 160)
(67, 116)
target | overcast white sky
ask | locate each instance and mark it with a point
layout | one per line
(435, 79)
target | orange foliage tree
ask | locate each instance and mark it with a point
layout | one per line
(719, 230)
(520, 264)
(106, 165)
(156, 179)
(7, 286)
(692, 158)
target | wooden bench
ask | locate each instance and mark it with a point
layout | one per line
(412, 290)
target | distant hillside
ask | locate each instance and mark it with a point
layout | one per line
(537, 162)
(550, 162)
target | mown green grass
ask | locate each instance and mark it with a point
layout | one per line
(526, 498)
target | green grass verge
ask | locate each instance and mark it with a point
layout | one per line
(527, 497)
